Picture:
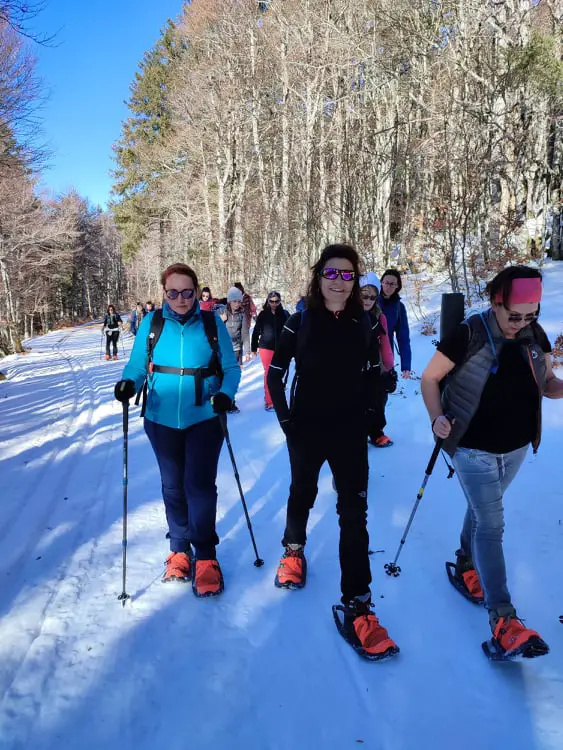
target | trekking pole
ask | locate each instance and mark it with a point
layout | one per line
(391, 568)
(124, 595)
(223, 419)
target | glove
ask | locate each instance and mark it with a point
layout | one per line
(124, 390)
(389, 381)
(221, 403)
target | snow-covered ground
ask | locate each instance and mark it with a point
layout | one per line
(257, 668)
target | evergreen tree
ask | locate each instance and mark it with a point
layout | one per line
(138, 171)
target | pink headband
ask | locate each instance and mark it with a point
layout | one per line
(524, 292)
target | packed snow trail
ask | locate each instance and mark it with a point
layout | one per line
(256, 668)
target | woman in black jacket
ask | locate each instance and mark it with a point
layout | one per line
(111, 325)
(266, 334)
(332, 343)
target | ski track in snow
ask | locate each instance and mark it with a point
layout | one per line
(257, 668)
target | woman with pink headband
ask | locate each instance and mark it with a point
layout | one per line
(489, 377)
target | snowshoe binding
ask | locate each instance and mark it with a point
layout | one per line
(292, 570)
(207, 579)
(359, 627)
(512, 639)
(463, 577)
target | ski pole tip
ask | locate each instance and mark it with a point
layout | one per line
(258, 563)
(392, 570)
(123, 598)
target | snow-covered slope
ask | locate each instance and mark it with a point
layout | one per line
(258, 668)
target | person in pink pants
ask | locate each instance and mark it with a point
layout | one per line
(266, 334)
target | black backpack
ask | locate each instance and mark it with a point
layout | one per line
(213, 368)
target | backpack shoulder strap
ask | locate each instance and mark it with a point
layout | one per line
(157, 324)
(210, 328)
(302, 334)
(372, 330)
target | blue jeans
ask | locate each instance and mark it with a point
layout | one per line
(188, 461)
(484, 478)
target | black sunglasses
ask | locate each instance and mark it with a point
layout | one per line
(274, 300)
(371, 297)
(174, 293)
(333, 273)
(515, 318)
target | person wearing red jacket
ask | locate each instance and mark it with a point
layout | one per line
(206, 301)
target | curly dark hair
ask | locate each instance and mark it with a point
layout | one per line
(315, 298)
(501, 285)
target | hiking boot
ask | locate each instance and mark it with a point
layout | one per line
(292, 570)
(207, 579)
(178, 567)
(107, 357)
(381, 442)
(512, 638)
(115, 356)
(363, 631)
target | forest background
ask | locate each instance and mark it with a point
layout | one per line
(426, 133)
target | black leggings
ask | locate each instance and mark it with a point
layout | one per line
(111, 338)
(346, 453)
(376, 413)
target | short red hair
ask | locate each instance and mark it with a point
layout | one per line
(182, 269)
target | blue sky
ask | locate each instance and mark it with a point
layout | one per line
(98, 48)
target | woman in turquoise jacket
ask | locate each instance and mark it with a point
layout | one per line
(188, 386)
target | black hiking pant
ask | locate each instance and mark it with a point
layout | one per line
(376, 413)
(111, 338)
(346, 453)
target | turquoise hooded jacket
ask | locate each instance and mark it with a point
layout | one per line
(171, 398)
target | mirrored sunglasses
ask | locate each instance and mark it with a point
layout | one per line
(333, 273)
(174, 293)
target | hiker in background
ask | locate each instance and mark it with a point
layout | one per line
(149, 307)
(206, 301)
(248, 306)
(266, 335)
(111, 325)
(301, 304)
(489, 377)
(193, 378)
(235, 320)
(396, 316)
(385, 376)
(331, 343)
(136, 318)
